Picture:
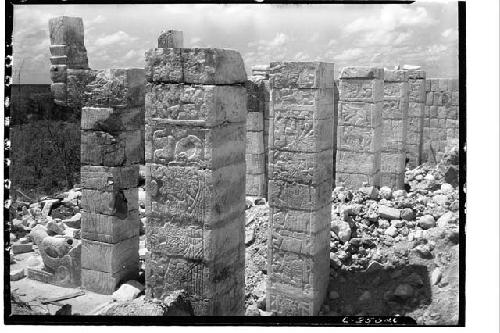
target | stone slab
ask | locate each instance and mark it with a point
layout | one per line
(363, 72)
(110, 258)
(303, 103)
(109, 229)
(301, 75)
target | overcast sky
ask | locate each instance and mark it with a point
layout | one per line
(117, 35)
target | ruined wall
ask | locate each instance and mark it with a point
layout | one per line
(196, 106)
(441, 121)
(359, 129)
(416, 80)
(112, 149)
(300, 183)
(395, 122)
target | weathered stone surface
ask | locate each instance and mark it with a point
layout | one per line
(59, 91)
(301, 75)
(255, 122)
(359, 139)
(392, 162)
(303, 103)
(206, 147)
(301, 135)
(109, 178)
(58, 73)
(254, 143)
(359, 162)
(119, 202)
(394, 135)
(171, 39)
(360, 90)
(65, 30)
(108, 228)
(76, 83)
(106, 282)
(360, 114)
(256, 185)
(113, 121)
(397, 75)
(255, 163)
(300, 222)
(110, 258)
(164, 65)
(206, 105)
(362, 72)
(355, 180)
(299, 196)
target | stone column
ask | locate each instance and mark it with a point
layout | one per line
(68, 54)
(111, 150)
(416, 80)
(300, 186)
(395, 122)
(360, 127)
(195, 177)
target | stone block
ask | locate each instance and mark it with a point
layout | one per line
(394, 135)
(282, 239)
(359, 139)
(110, 258)
(397, 75)
(301, 135)
(301, 167)
(206, 147)
(58, 73)
(101, 148)
(77, 80)
(108, 228)
(256, 163)
(392, 162)
(171, 39)
(117, 88)
(416, 74)
(254, 143)
(256, 185)
(58, 50)
(65, 30)
(359, 90)
(416, 110)
(302, 103)
(109, 178)
(393, 180)
(164, 65)
(113, 121)
(454, 98)
(396, 91)
(255, 122)
(106, 282)
(77, 57)
(118, 203)
(362, 72)
(197, 196)
(301, 75)
(395, 109)
(360, 114)
(355, 180)
(59, 60)
(299, 196)
(429, 98)
(417, 90)
(59, 91)
(358, 162)
(291, 221)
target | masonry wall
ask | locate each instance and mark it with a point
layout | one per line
(441, 120)
(196, 107)
(416, 80)
(359, 132)
(300, 183)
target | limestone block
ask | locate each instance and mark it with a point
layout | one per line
(197, 196)
(112, 121)
(301, 75)
(58, 50)
(392, 162)
(212, 66)
(256, 185)
(394, 109)
(302, 103)
(392, 180)
(301, 243)
(254, 94)
(290, 305)
(101, 148)
(429, 98)
(357, 162)
(304, 168)
(59, 91)
(108, 228)
(454, 98)
(453, 85)
(112, 258)
(59, 60)
(204, 105)
(359, 139)
(360, 114)
(303, 135)
(362, 72)
(291, 221)
(255, 121)
(359, 90)
(415, 109)
(396, 91)
(417, 90)
(117, 88)
(119, 203)
(416, 74)
(255, 163)
(105, 282)
(207, 147)
(134, 146)
(164, 65)
(58, 73)
(355, 180)
(77, 80)
(398, 75)
(77, 57)
(194, 241)
(299, 196)
(452, 112)
(443, 84)
(109, 178)
(171, 39)
(451, 123)
(254, 143)
(394, 135)
(65, 30)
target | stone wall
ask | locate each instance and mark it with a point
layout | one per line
(440, 122)
(394, 118)
(359, 129)
(416, 80)
(300, 184)
(111, 150)
(196, 106)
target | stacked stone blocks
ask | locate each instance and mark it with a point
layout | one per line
(300, 181)
(111, 151)
(196, 105)
(394, 117)
(441, 121)
(416, 87)
(359, 132)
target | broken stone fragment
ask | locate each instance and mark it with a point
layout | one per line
(426, 222)
(22, 248)
(389, 213)
(171, 39)
(128, 291)
(17, 274)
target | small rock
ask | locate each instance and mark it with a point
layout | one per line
(429, 177)
(13, 237)
(374, 266)
(248, 203)
(407, 214)
(423, 251)
(17, 274)
(249, 234)
(385, 192)
(371, 191)
(383, 224)
(260, 201)
(436, 276)
(128, 291)
(404, 291)
(342, 230)
(74, 221)
(446, 188)
(56, 228)
(427, 221)
(389, 213)
(252, 311)
(398, 194)
(445, 219)
(453, 236)
(440, 199)
(415, 280)
(391, 231)
(266, 313)
(397, 223)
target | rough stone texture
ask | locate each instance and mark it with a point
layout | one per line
(195, 177)
(416, 81)
(300, 181)
(112, 149)
(360, 130)
(171, 39)
(441, 119)
(394, 118)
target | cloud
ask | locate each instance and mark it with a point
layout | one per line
(450, 34)
(119, 37)
(349, 54)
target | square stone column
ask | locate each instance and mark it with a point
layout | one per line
(300, 186)
(359, 138)
(196, 107)
(416, 80)
(395, 122)
(111, 150)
